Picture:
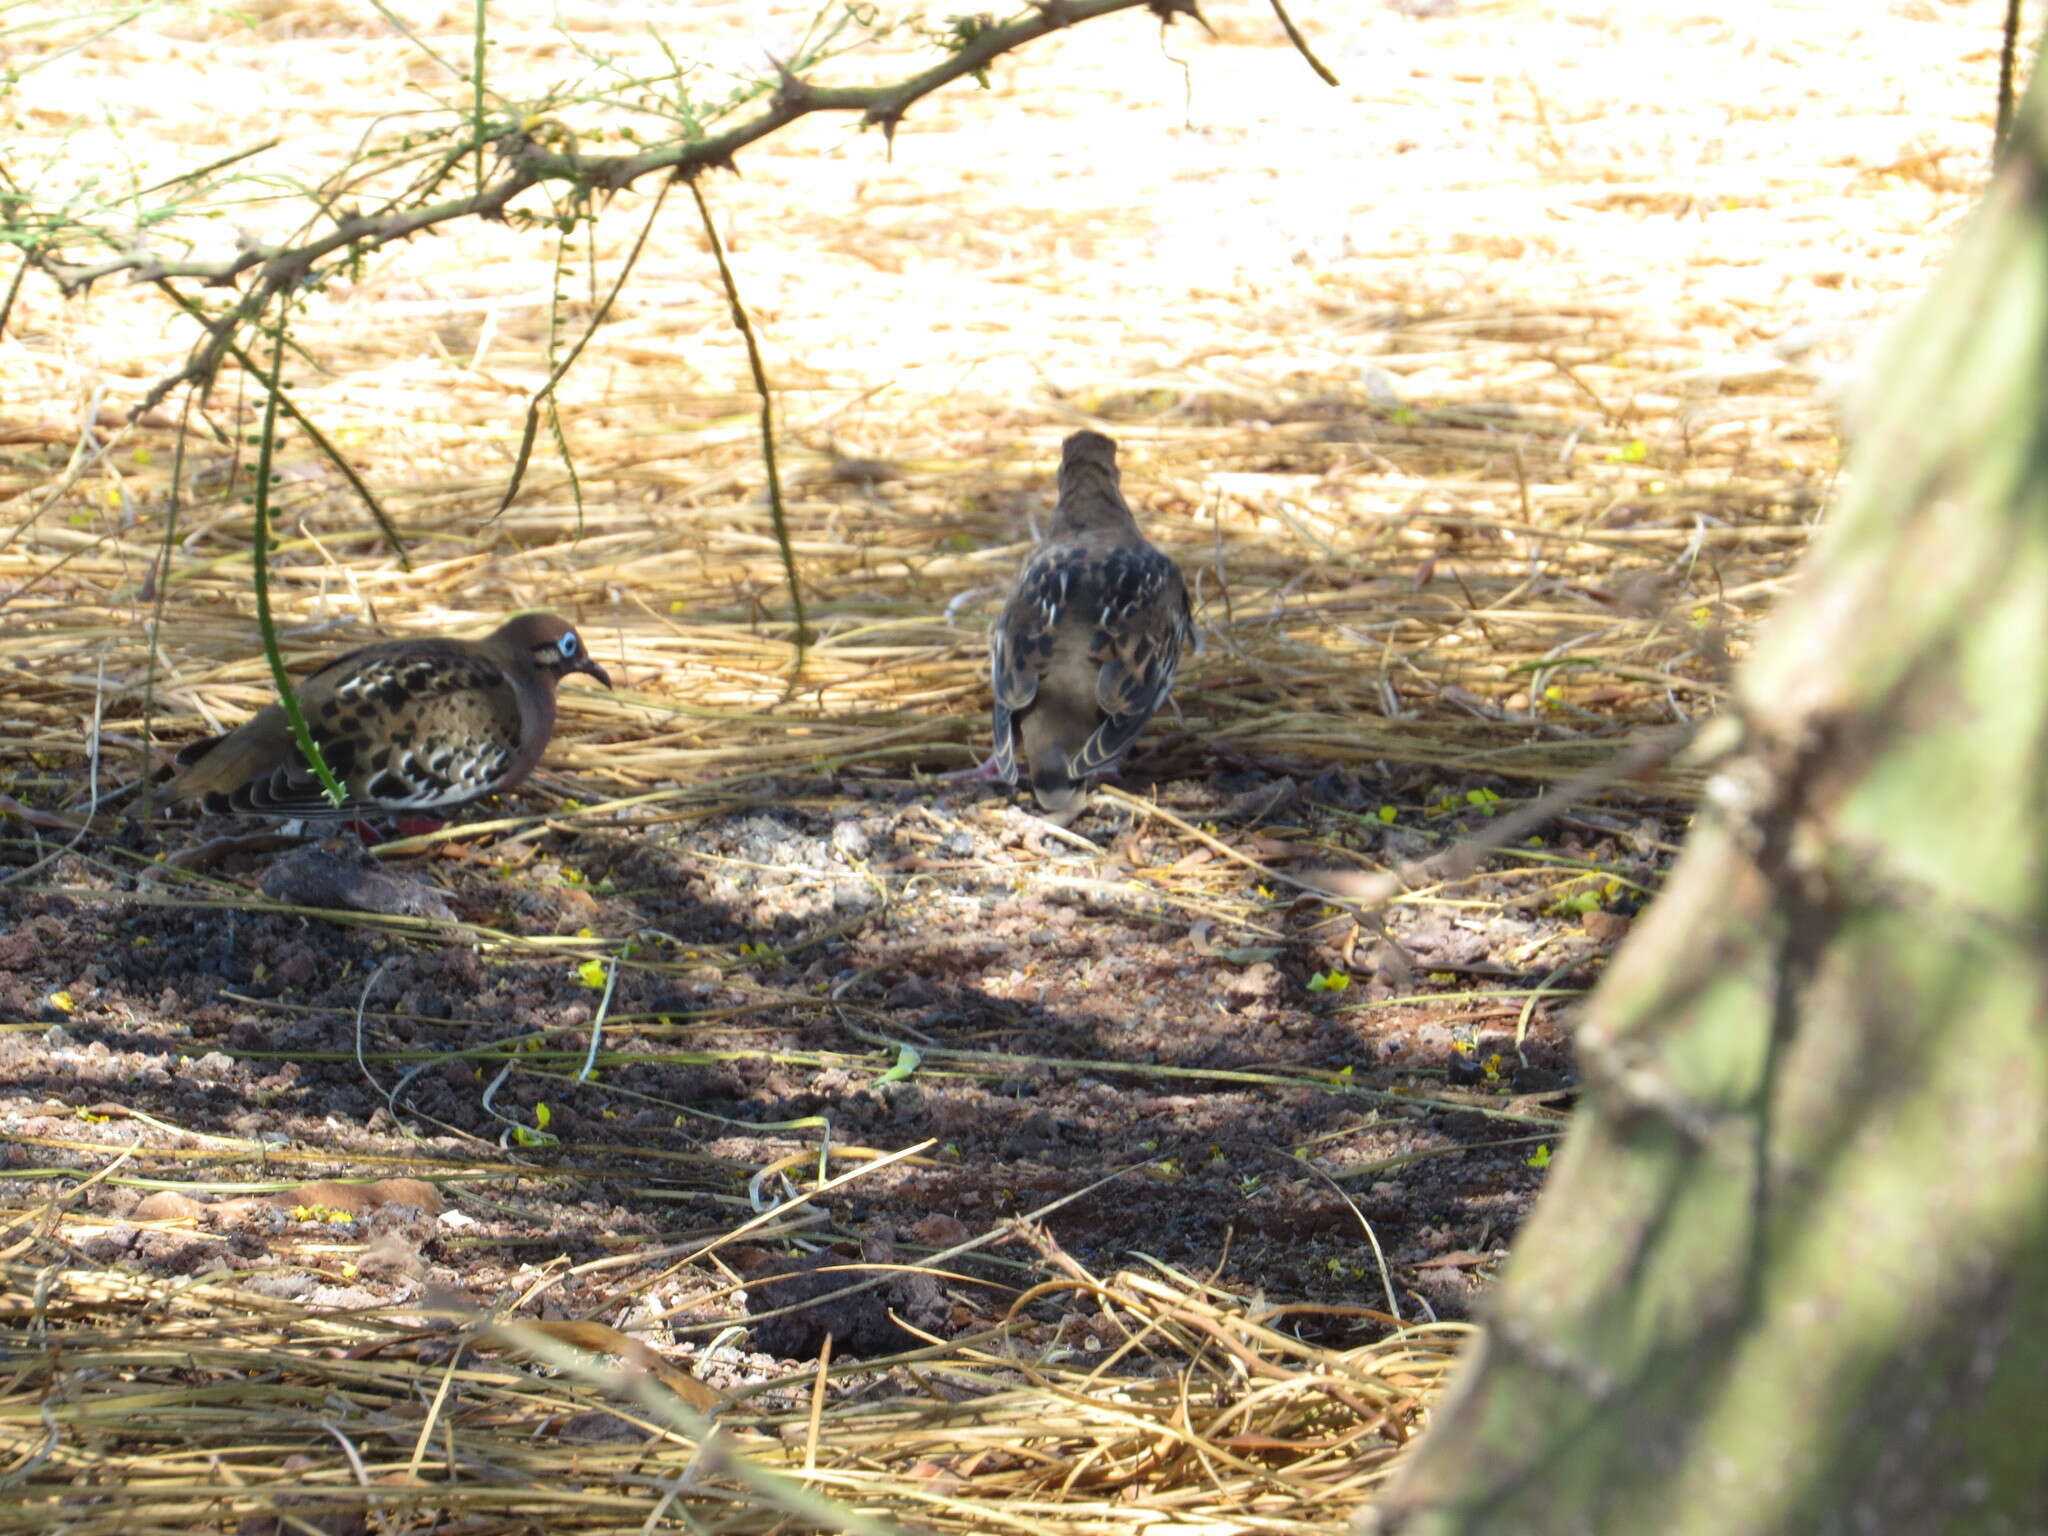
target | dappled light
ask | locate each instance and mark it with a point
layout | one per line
(1486, 403)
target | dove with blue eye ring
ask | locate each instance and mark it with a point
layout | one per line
(419, 727)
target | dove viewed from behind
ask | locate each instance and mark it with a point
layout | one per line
(407, 726)
(1086, 648)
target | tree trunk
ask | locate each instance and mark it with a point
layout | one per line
(1791, 1273)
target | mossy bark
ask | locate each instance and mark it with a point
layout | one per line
(1791, 1273)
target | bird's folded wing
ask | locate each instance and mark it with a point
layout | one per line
(412, 727)
(1020, 646)
(1141, 628)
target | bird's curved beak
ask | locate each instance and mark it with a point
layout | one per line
(589, 665)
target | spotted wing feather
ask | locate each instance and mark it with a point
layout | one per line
(410, 726)
(1142, 623)
(1021, 645)
(1126, 606)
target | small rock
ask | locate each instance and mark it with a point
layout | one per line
(905, 1099)
(344, 1298)
(911, 992)
(389, 1257)
(677, 1000)
(1262, 800)
(167, 1205)
(344, 877)
(298, 966)
(211, 1067)
(852, 840)
(1539, 1080)
(111, 1246)
(1338, 787)
(1255, 983)
(939, 1230)
(859, 1324)
(1605, 927)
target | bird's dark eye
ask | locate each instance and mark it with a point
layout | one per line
(568, 646)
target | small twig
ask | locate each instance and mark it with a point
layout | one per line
(746, 330)
(604, 1004)
(529, 1135)
(1536, 995)
(187, 178)
(234, 845)
(546, 392)
(1213, 844)
(259, 556)
(362, 1006)
(46, 1214)
(480, 41)
(817, 1406)
(13, 289)
(398, 25)
(1378, 1253)
(1301, 44)
(45, 821)
(2008, 50)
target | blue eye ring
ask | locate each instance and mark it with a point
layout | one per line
(568, 646)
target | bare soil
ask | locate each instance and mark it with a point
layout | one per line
(1073, 1017)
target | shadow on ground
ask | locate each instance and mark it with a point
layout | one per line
(1154, 1006)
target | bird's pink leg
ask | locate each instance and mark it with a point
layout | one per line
(987, 773)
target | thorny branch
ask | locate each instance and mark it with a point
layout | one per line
(525, 161)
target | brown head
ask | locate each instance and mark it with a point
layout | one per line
(550, 643)
(1091, 494)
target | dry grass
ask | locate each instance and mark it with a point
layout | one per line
(1485, 400)
(1448, 392)
(198, 1404)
